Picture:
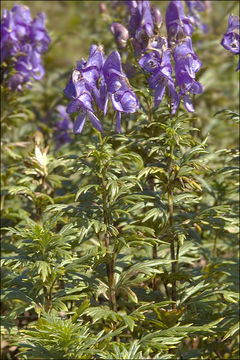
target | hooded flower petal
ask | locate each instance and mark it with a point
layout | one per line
(230, 39)
(95, 121)
(80, 121)
(178, 25)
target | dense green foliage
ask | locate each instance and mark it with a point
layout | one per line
(121, 246)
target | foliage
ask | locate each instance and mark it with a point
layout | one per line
(120, 246)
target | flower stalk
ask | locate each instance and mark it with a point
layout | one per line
(171, 224)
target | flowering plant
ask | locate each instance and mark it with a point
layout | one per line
(119, 172)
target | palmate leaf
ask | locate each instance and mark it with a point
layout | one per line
(102, 313)
(16, 294)
(193, 290)
(174, 335)
(55, 338)
(20, 190)
(121, 351)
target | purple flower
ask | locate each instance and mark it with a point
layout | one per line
(122, 96)
(15, 82)
(156, 16)
(157, 61)
(38, 33)
(65, 124)
(120, 33)
(230, 39)
(22, 35)
(141, 26)
(9, 39)
(82, 103)
(194, 7)
(91, 70)
(178, 25)
(187, 64)
(82, 86)
(29, 65)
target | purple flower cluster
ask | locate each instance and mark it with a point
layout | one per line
(93, 82)
(230, 39)
(187, 63)
(194, 7)
(157, 61)
(142, 24)
(23, 40)
(178, 25)
(186, 66)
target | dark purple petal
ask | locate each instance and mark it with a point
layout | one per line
(112, 65)
(75, 105)
(116, 101)
(159, 92)
(106, 104)
(188, 104)
(95, 122)
(238, 66)
(176, 21)
(80, 121)
(150, 62)
(120, 33)
(230, 39)
(156, 16)
(118, 117)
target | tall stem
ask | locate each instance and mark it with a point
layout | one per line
(110, 265)
(215, 245)
(154, 249)
(172, 245)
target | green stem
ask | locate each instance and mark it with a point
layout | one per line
(110, 265)
(46, 299)
(215, 245)
(172, 245)
(154, 249)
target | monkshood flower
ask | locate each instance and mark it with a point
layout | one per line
(187, 64)
(82, 86)
(157, 61)
(16, 81)
(194, 7)
(82, 102)
(29, 65)
(156, 16)
(178, 25)
(38, 34)
(23, 41)
(230, 39)
(64, 125)
(141, 26)
(118, 88)
(120, 33)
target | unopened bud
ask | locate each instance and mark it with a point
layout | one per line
(157, 17)
(15, 82)
(208, 6)
(102, 8)
(120, 33)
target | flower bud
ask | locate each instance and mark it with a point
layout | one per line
(102, 8)
(208, 6)
(157, 17)
(15, 82)
(120, 33)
